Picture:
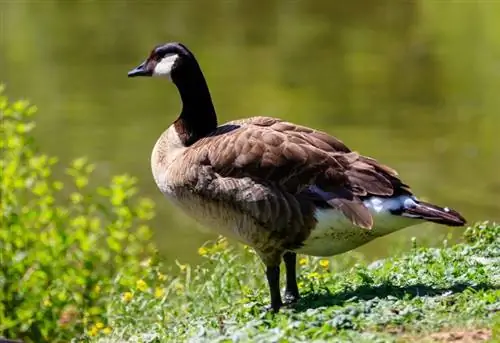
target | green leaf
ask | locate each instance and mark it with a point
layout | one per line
(113, 244)
(79, 163)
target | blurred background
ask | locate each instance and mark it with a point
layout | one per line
(414, 84)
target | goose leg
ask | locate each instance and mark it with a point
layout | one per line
(291, 290)
(273, 279)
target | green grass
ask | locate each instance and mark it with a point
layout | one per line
(404, 298)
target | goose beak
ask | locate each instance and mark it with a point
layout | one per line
(140, 70)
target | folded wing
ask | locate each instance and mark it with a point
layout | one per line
(298, 160)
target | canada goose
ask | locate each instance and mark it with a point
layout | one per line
(281, 188)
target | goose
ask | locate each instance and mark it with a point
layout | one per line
(281, 188)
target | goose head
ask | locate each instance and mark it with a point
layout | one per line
(167, 60)
(177, 63)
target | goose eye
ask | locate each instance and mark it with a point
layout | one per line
(154, 57)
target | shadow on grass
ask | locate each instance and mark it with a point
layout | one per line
(367, 292)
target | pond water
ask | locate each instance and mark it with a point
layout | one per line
(414, 84)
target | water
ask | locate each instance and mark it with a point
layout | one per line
(413, 84)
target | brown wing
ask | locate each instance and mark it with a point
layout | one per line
(297, 160)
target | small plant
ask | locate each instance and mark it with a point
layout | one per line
(62, 244)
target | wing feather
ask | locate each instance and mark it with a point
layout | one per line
(297, 160)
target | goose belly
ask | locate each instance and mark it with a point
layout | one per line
(335, 234)
(217, 216)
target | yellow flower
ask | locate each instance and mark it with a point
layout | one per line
(127, 296)
(99, 325)
(312, 275)
(161, 277)
(47, 302)
(141, 285)
(159, 292)
(324, 263)
(202, 251)
(93, 331)
(107, 330)
(303, 261)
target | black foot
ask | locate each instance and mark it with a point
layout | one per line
(291, 297)
(272, 308)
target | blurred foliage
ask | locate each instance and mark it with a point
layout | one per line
(62, 244)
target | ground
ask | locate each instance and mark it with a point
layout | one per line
(444, 294)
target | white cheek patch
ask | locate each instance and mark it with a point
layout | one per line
(164, 67)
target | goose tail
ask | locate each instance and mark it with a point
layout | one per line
(433, 213)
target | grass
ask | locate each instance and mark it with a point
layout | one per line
(428, 294)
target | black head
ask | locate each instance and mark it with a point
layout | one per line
(175, 61)
(164, 60)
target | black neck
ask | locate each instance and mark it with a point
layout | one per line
(198, 117)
